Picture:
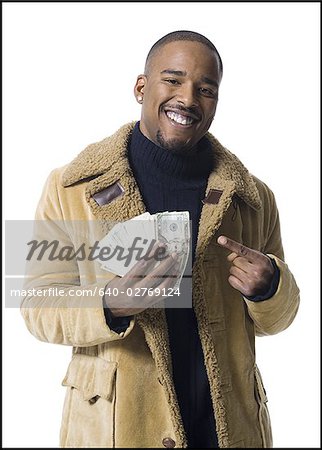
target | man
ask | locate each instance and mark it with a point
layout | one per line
(143, 377)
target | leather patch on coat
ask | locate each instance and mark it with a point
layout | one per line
(213, 196)
(109, 194)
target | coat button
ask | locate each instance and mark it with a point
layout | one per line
(93, 400)
(168, 442)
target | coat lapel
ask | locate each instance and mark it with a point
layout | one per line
(229, 178)
(102, 165)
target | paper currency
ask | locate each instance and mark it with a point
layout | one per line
(129, 241)
(173, 229)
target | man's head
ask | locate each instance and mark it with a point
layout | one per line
(179, 90)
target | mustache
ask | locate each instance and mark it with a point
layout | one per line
(193, 111)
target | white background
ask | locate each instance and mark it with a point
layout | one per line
(68, 77)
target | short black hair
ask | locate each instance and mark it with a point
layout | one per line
(183, 35)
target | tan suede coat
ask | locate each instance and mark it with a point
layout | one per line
(120, 391)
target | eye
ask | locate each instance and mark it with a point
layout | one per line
(172, 81)
(207, 92)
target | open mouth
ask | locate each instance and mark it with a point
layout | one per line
(180, 119)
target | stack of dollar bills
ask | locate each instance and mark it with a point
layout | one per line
(128, 242)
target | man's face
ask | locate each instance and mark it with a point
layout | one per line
(180, 94)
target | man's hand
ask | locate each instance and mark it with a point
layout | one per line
(142, 286)
(251, 272)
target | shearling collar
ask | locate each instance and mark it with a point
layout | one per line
(99, 157)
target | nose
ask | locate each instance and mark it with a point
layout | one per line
(187, 95)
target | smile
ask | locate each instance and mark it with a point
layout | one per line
(179, 118)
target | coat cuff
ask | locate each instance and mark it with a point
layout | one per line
(278, 313)
(117, 324)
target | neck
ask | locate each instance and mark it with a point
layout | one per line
(194, 164)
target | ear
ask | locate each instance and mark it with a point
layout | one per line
(139, 88)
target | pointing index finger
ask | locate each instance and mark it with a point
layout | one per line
(238, 248)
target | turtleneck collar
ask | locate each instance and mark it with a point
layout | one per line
(162, 163)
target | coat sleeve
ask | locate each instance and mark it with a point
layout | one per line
(58, 308)
(275, 314)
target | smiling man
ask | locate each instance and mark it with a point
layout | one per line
(144, 377)
(180, 91)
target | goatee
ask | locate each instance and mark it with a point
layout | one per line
(174, 145)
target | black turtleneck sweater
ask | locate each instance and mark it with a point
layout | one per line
(172, 182)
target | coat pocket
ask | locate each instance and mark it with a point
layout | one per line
(89, 409)
(264, 418)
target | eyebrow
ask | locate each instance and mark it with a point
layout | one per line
(209, 81)
(180, 73)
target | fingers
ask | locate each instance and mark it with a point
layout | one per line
(232, 256)
(170, 277)
(235, 283)
(237, 248)
(158, 273)
(241, 281)
(240, 274)
(249, 278)
(147, 287)
(241, 262)
(161, 290)
(157, 289)
(251, 271)
(159, 281)
(142, 267)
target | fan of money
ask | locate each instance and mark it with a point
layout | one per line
(128, 242)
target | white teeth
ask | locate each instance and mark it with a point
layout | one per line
(183, 120)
